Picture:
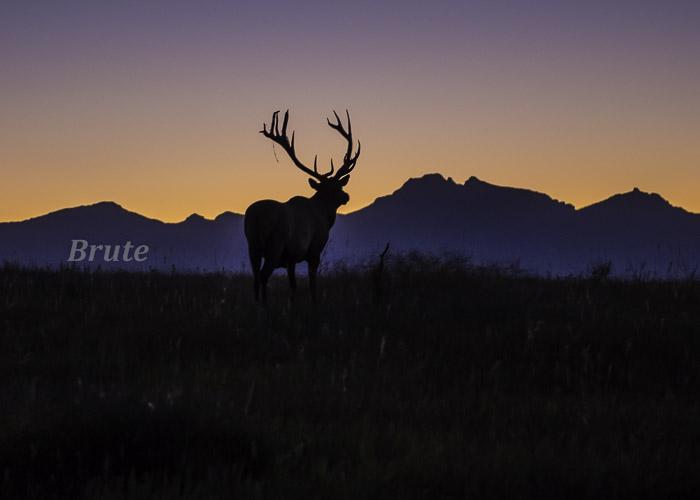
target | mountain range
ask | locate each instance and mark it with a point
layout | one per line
(638, 233)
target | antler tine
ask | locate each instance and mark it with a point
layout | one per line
(324, 175)
(349, 159)
(272, 126)
(284, 123)
(347, 113)
(339, 125)
(349, 164)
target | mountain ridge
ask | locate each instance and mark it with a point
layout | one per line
(433, 178)
(434, 214)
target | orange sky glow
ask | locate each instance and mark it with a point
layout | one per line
(162, 116)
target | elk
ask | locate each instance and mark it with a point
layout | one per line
(281, 235)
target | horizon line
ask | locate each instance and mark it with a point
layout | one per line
(446, 179)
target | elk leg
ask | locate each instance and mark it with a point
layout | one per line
(292, 278)
(313, 270)
(255, 261)
(265, 273)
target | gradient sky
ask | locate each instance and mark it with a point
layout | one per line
(156, 104)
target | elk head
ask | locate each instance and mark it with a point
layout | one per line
(328, 185)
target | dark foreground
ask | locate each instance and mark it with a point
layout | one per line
(457, 383)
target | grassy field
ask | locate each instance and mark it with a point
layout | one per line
(455, 383)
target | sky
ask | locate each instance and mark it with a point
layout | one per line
(157, 105)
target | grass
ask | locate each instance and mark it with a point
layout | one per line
(457, 382)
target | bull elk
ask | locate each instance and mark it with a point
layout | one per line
(280, 235)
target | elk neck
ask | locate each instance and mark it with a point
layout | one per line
(327, 207)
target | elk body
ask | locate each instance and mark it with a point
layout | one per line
(281, 235)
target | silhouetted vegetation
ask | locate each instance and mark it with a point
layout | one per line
(459, 383)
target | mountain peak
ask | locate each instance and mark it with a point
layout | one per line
(98, 209)
(428, 185)
(635, 201)
(107, 204)
(644, 197)
(195, 218)
(473, 179)
(228, 215)
(432, 179)
(474, 183)
(108, 207)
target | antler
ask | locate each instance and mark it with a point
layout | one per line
(349, 160)
(283, 140)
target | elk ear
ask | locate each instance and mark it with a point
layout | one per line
(315, 185)
(344, 181)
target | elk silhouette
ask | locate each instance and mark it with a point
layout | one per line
(284, 234)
